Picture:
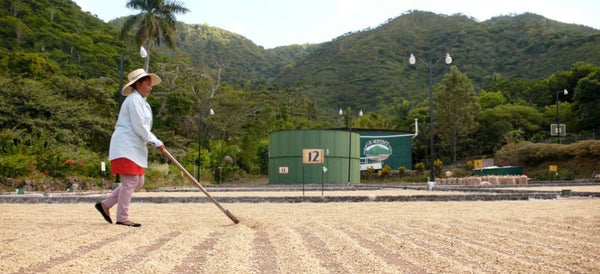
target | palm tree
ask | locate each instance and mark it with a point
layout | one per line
(156, 22)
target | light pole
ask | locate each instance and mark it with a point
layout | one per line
(412, 60)
(360, 113)
(143, 54)
(210, 112)
(565, 92)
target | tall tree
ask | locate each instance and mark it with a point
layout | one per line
(456, 108)
(586, 102)
(507, 123)
(156, 21)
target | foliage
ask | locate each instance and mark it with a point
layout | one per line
(385, 171)
(222, 157)
(245, 64)
(500, 124)
(563, 175)
(73, 112)
(370, 170)
(156, 22)
(469, 165)
(15, 165)
(402, 171)
(490, 99)
(586, 101)
(365, 69)
(438, 164)
(456, 110)
(48, 37)
(420, 168)
(526, 153)
(458, 171)
(44, 155)
(159, 175)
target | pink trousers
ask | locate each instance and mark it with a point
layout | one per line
(122, 195)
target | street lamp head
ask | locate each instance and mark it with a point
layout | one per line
(412, 60)
(565, 92)
(448, 59)
(143, 52)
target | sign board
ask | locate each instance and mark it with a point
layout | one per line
(283, 170)
(488, 162)
(477, 164)
(312, 156)
(554, 130)
(553, 168)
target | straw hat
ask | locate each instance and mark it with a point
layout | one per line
(137, 75)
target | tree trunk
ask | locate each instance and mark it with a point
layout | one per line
(147, 59)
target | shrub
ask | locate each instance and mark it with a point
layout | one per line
(420, 168)
(469, 165)
(385, 171)
(526, 153)
(437, 164)
(562, 175)
(17, 165)
(401, 171)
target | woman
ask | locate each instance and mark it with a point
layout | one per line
(128, 153)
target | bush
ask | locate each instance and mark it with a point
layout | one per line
(420, 168)
(385, 171)
(563, 175)
(469, 165)
(17, 165)
(401, 171)
(437, 164)
(526, 153)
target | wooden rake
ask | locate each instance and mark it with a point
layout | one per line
(233, 218)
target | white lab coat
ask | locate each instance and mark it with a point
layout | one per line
(132, 132)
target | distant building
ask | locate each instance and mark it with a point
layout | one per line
(385, 147)
(344, 155)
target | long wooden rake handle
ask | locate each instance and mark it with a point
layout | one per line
(233, 218)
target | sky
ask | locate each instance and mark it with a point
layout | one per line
(273, 23)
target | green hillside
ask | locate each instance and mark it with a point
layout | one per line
(365, 68)
(45, 37)
(59, 79)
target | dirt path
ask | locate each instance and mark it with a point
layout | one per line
(550, 236)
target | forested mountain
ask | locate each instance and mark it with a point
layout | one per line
(365, 68)
(245, 63)
(59, 79)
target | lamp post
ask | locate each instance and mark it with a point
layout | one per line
(412, 60)
(360, 113)
(143, 54)
(210, 112)
(565, 92)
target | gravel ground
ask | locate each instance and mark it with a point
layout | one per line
(535, 236)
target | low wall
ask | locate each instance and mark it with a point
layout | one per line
(484, 180)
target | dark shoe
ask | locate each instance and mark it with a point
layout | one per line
(101, 210)
(132, 224)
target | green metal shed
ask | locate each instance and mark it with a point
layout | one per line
(287, 148)
(505, 170)
(385, 147)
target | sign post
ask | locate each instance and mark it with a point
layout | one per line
(311, 156)
(559, 130)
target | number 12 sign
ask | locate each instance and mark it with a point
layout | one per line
(312, 156)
